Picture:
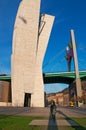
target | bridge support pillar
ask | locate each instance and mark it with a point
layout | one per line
(78, 81)
(79, 91)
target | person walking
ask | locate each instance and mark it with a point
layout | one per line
(53, 110)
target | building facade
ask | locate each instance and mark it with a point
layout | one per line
(5, 93)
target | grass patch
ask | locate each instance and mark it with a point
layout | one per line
(81, 122)
(22, 123)
(16, 122)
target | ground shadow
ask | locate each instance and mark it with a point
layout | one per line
(11, 111)
(71, 121)
(52, 124)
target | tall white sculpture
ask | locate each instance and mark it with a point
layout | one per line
(29, 45)
(44, 33)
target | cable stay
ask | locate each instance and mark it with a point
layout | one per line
(0, 68)
(82, 60)
(53, 58)
(81, 64)
(81, 46)
(52, 67)
(81, 67)
(57, 64)
(84, 51)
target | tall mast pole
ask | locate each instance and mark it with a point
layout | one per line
(78, 81)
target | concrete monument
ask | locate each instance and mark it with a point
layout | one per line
(30, 40)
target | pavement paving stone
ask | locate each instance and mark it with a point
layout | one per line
(53, 123)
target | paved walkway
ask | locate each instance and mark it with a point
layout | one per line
(65, 113)
(53, 123)
(61, 112)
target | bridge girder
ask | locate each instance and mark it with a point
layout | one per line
(64, 77)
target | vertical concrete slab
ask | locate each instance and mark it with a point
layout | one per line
(44, 34)
(24, 50)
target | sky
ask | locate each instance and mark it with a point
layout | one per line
(69, 14)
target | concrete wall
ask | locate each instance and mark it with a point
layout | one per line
(44, 34)
(24, 50)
